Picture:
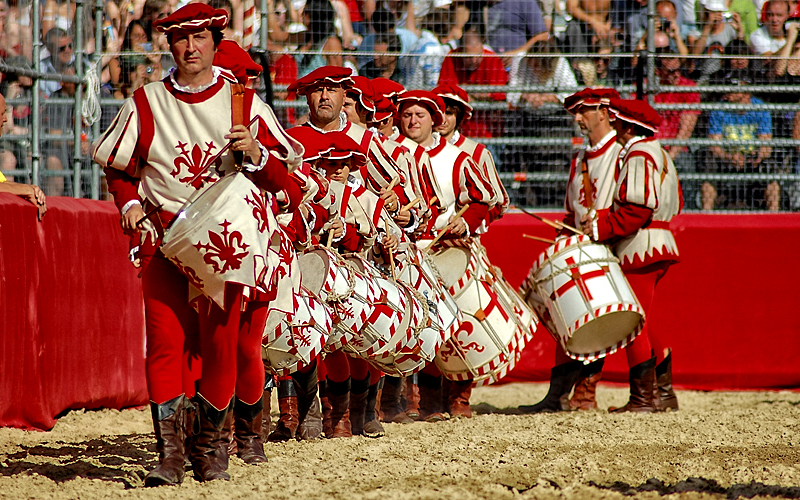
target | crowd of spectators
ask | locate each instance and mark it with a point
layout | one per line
(552, 47)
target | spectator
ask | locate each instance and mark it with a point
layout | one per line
(513, 26)
(59, 44)
(17, 122)
(484, 67)
(590, 24)
(549, 69)
(747, 14)
(320, 37)
(27, 192)
(740, 125)
(717, 30)
(676, 124)
(384, 63)
(230, 32)
(771, 36)
(384, 24)
(57, 14)
(421, 69)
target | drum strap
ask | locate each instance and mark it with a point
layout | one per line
(663, 170)
(587, 185)
(237, 114)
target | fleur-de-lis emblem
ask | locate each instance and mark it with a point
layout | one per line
(345, 311)
(191, 162)
(260, 208)
(450, 346)
(300, 337)
(221, 251)
(582, 196)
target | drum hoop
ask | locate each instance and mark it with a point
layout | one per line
(351, 284)
(562, 270)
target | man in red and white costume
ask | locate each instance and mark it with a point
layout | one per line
(457, 111)
(590, 109)
(461, 183)
(646, 196)
(160, 139)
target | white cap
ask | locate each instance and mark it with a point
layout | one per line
(715, 5)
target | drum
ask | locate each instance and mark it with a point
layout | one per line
(591, 306)
(220, 235)
(348, 293)
(292, 341)
(492, 335)
(417, 272)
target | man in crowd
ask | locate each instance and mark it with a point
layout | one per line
(27, 192)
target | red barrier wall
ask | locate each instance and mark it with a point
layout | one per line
(729, 309)
(72, 323)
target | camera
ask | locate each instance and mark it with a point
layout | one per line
(727, 17)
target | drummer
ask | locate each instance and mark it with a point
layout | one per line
(149, 158)
(462, 184)
(590, 111)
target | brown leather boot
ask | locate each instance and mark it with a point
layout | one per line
(266, 419)
(338, 422)
(205, 462)
(290, 413)
(226, 439)
(247, 424)
(390, 401)
(430, 398)
(562, 378)
(306, 385)
(412, 397)
(669, 401)
(458, 400)
(372, 425)
(642, 378)
(169, 424)
(584, 396)
(359, 390)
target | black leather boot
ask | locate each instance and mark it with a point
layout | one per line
(170, 427)
(562, 378)
(205, 462)
(247, 431)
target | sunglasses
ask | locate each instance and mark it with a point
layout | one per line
(64, 48)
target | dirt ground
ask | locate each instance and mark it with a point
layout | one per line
(719, 445)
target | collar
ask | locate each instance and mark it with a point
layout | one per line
(624, 151)
(342, 124)
(437, 140)
(609, 136)
(395, 134)
(353, 182)
(456, 136)
(215, 75)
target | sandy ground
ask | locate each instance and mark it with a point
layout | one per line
(719, 445)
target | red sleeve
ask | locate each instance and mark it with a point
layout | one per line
(273, 176)
(322, 216)
(499, 77)
(622, 222)
(122, 186)
(475, 214)
(447, 76)
(294, 192)
(352, 241)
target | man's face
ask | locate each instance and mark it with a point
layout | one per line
(450, 119)
(336, 170)
(589, 118)
(619, 128)
(777, 14)
(350, 108)
(667, 11)
(193, 52)
(416, 123)
(65, 51)
(382, 59)
(325, 102)
(474, 62)
(670, 71)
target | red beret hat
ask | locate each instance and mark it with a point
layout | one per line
(193, 17)
(384, 108)
(637, 112)
(590, 97)
(332, 74)
(433, 102)
(340, 146)
(456, 94)
(363, 87)
(314, 142)
(387, 88)
(234, 58)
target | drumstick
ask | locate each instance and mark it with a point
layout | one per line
(552, 223)
(392, 184)
(410, 204)
(148, 215)
(543, 240)
(447, 227)
(433, 201)
(219, 154)
(391, 263)
(330, 238)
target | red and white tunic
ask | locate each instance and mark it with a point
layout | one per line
(601, 160)
(482, 157)
(428, 184)
(461, 182)
(647, 196)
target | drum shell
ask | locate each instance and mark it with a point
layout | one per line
(297, 338)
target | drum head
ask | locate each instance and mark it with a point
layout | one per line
(314, 268)
(452, 263)
(598, 335)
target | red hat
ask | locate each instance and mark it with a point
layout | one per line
(331, 74)
(363, 87)
(314, 142)
(234, 58)
(456, 94)
(192, 18)
(384, 108)
(433, 102)
(387, 88)
(340, 146)
(637, 112)
(590, 97)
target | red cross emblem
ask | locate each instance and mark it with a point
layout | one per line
(493, 303)
(578, 280)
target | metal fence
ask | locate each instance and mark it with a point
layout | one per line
(518, 112)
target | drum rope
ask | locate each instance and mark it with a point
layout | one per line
(569, 267)
(435, 268)
(425, 312)
(332, 296)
